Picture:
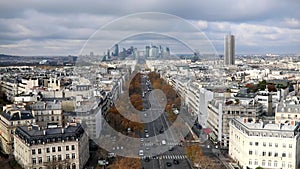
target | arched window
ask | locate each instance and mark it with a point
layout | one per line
(73, 166)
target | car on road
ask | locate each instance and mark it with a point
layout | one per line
(141, 152)
(146, 130)
(142, 139)
(169, 164)
(147, 135)
(175, 161)
(147, 148)
(163, 142)
(171, 148)
(147, 159)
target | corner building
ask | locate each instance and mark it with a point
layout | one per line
(264, 144)
(60, 148)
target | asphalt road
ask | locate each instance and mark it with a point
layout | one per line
(156, 153)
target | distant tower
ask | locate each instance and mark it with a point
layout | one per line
(229, 48)
(147, 51)
(116, 53)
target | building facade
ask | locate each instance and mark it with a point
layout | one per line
(287, 113)
(47, 112)
(229, 50)
(60, 148)
(11, 117)
(221, 111)
(264, 144)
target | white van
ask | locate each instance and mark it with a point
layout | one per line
(163, 142)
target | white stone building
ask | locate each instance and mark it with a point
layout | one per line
(264, 144)
(60, 148)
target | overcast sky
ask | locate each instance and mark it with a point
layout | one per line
(58, 27)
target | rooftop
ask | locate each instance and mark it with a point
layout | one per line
(17, 114)
(267, 125)
(35, 135)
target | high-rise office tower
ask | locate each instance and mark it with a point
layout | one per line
(229, 48)
(147, 51)
(116, 53)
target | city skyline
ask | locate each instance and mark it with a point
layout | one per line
(50, 29)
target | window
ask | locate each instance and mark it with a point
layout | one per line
(33, 151)
(263, 153)
(73, 155)
(39, 151)
(59, 148)
(53, 158)
(256, 143)
(263, 163)
(40, 160)
(59, 158)
(250, 162)
(250, 143)
(264, 144)
(256, 152)
(275, 163)
(73, 166)
(283, 155)
(283, 164)
(275, 154)
(255, 162)
(269, 163)
(290, 155)
(48, 158)
(33, 161)
(276, 144)
(67, 156)
(270, 154)
(68, 166)
(290, 146)
(73, 147)
(67, 148)
(48, 150)
(290, 165)
(250, 152)
(53, 149)
(270, 144)
(284, 145)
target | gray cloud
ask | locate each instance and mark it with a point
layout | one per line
(25, 26)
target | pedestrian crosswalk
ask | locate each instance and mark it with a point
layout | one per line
(166, 157)
(168, 143)
(174, 144)
(148, 144)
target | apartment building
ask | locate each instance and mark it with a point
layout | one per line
(10, 87)
(265, 144)
(287, 112)
(222, 110)
(47, 112)
(11, 117)
(60, 148)
(197, 99)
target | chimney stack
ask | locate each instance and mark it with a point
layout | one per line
(292, 122)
